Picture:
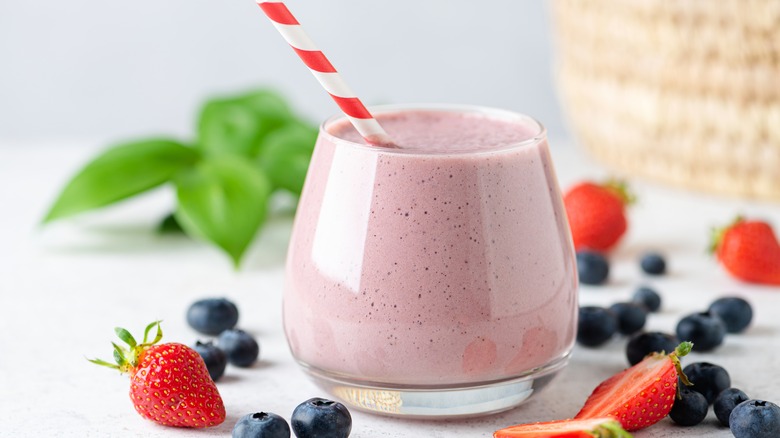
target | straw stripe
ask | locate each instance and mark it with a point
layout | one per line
(325, 73)
(278, 12)
(315, 60)
(294, 36)
(371, 129)
(352, 106)
(333, 83)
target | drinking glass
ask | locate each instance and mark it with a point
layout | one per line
(431, 282)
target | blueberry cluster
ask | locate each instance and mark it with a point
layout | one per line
(708, 381)
(219, 316)
(711, 385)
(705, 329)
(593, 266)
(708, 329)
(314, 418)
(597, 325)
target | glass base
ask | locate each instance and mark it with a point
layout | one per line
(437, 402)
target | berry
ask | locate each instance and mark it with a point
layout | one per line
(586, 428)
(596, 214)
(261, 425)
(689, 408)
(725, 402)
(653, 263)
(708, 379)
(595, 326)
(212, 316)
(631, 317)
(240, 347)
(214, 358)
(648, 298)
(592, 267)
(749, 250)
(735, 312)
(755, 419)
(704, 330)
(169, 383)
(642, 344)
(641, 395)
(321, 418)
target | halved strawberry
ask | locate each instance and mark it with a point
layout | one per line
(586, 428)
(642, 395)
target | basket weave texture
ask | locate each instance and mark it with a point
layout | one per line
(683, 91)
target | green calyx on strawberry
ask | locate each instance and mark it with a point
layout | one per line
(169, 383)
(642, 395)
(620, 189)
(596, 213)
(127, 357)
(749, 250)
(585, 428)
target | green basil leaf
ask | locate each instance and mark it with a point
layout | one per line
(238, 125)
(268, 105)
(223, 200)
(285, 155)
(169, 225)
(121, 172)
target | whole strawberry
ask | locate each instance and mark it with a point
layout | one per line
(596, 213)
(749, 250)
(169, 383)
(641, 395)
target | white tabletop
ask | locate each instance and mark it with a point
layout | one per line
(65, 287)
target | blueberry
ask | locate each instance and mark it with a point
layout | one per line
(708, 379)
(689, 409)
(647, 297)
(725, 402)
(240, 347)
(755, 419)
(592, 267)
(653, 263)
(261, 425)
(321, 418)
(215, 358)
(596, 325)
(212, 316)
(703, 329)
(631, 317)
(735, 312)
(642, 344)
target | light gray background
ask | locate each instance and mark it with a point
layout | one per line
(108, 69)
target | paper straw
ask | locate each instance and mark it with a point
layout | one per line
(325, 73)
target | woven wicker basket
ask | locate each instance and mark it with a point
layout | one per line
(684, 91)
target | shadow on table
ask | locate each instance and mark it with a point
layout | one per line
(89, 237)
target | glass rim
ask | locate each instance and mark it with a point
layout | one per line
(539, 135)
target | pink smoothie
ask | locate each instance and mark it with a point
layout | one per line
(446, 261)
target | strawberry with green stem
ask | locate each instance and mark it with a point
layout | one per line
(169, 383)
(749, 250)
(642, 395)
(596, 213)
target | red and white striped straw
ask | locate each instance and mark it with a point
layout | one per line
(325, 73)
